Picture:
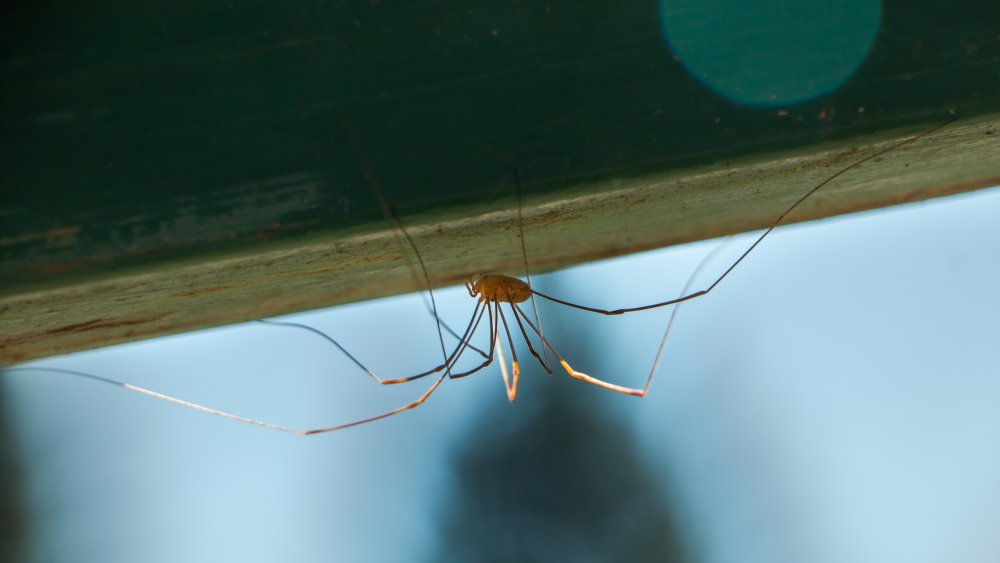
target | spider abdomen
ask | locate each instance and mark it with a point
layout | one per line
(499, 288)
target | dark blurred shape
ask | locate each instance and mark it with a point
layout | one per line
(12, 529)
(558, 480)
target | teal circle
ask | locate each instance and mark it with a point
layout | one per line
(775, 53)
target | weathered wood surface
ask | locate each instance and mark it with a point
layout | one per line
(187, 167)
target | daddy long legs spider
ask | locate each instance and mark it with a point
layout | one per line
(491, 291)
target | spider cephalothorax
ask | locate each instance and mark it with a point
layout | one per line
(498, 288)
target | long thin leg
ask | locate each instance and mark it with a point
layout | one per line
(462, 344)
(352, 137)
(468, 338)
(420, 259)
(580, 375)
(527, 271)
(489, 358)
(756, 242)
(477, 316)
(447, 328)
(229, 415)
(405, 407)
(330, 339)
(545, 362)
(473, 323)
(388, 211)
(502, 359)
(577, 374)
(673, 314)
(652, 372)
(511, 387)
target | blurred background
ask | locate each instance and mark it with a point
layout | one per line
(835, 399)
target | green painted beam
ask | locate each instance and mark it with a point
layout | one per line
(187, 166)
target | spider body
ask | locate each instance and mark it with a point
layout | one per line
(498, 288)
(493, 290)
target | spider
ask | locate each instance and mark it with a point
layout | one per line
(492, 292)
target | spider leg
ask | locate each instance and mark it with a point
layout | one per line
(663, 343)
(756, 242)
(226, 414)
(527, 273)
(511, 387)
(476, 318)
(447, 328)
(673, 314)
(451, 359)
(468, 338)
(405, 407)
(545, 362)
(463, 343)
(579, 374)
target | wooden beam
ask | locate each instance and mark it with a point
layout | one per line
(183, 167)
(583, 222)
